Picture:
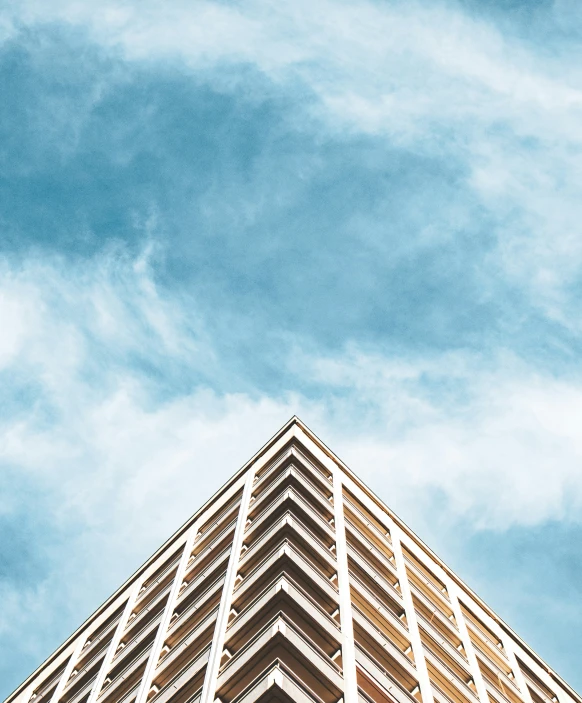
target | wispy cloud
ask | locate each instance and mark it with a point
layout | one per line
(97, 344)
(433, 80)
(484, 435)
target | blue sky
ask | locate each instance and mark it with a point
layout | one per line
(215, 215)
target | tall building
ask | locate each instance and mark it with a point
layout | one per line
(294, 583)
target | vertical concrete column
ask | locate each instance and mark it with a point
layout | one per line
(114, 644)
(453, 591)
(345, 600)
(217, 647)
(154, 657)
(66, 675)
(413, 631)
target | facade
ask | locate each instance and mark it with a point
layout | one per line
(294, 583)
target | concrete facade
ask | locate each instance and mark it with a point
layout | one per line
(294, 583)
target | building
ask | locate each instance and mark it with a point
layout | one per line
(294, 583)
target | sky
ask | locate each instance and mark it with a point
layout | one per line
(216, 215)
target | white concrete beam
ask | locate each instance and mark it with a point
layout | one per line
(66, 675)
(345, 600)
(154, 657)
(411, 619)
(217, 647)
(452, 590)
(114, 644)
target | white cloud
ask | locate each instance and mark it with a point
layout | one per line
(98, 431)
(499, 442)
(401, 60)
(494, 437)
(13, 316)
